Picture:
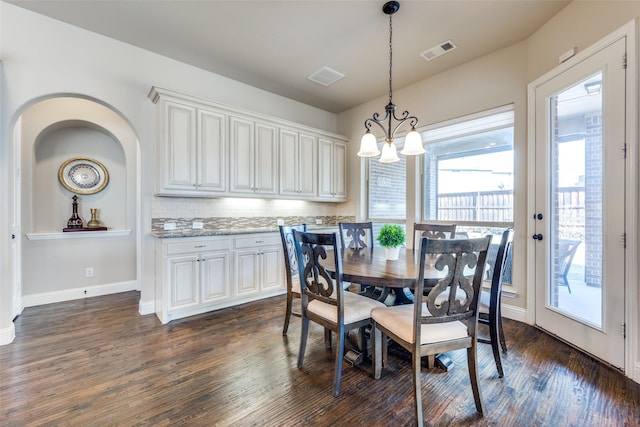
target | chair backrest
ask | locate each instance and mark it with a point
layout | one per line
(356, 235)
(455, 296)
(289, 249)
(504, 249)
(432, 231)
(316, 281)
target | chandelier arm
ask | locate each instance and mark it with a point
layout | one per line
(413, 121)
(377, 120)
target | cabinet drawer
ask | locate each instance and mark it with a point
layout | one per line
(198, 246)
(252, 242)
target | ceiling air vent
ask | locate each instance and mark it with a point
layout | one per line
(436, 51)
(325, 76)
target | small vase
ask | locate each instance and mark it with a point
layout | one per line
(393, 253)
(93, 222)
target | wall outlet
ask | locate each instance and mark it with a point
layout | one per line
(169, 225)
(318, 221)
(197, 225)
(88, 272)
(279, 221)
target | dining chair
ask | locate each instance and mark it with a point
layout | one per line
(356, 235)
(432, 231)
(324, 300)
(291, 270)
(489, 306)
(441, 321)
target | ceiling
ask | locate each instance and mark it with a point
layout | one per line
(275, 45)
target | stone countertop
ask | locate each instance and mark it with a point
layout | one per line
(227, 232)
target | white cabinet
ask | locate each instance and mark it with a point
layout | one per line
(208, 149)
(193, 275)
(192, 153)
(254, 157)
(298, 170)
(259, 265)
(332, 159)
(199, 274)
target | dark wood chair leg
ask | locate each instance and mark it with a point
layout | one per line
(338, 368)
(503, 340)
(327, 338)
(304, 329)
(287, 314)
(472, 361)
(495, 346)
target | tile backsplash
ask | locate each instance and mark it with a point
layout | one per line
(239, 223)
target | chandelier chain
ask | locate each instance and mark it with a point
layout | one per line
(390, 58)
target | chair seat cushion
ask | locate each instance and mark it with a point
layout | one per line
(399, 320)
(356, 308)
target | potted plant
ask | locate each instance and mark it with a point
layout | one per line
(391, 237)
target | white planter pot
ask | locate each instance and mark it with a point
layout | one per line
(392, 254)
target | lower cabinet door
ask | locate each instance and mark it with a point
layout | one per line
(247, 273)
(184, 281)
(215, 277)
(272, 267)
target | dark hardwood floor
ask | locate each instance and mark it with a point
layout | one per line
(96, 362)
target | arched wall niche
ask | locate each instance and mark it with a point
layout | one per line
(53, 130)
(67, 140)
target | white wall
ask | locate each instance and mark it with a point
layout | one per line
(42, 57)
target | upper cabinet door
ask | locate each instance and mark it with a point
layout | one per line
(212, 152)
(339, 170)
(289, 164)
(332, 158)
(242, 155)
(177, 154)
(298, 164)
(308, 165)
(266, 160)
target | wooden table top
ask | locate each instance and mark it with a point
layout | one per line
(373, 268)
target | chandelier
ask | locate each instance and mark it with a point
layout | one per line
(413, 140)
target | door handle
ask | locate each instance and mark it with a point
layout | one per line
(537, 236)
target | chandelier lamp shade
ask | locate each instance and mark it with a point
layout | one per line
(413, 140)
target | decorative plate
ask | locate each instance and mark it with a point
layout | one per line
(83, 176)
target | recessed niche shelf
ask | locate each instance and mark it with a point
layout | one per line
(77, 235)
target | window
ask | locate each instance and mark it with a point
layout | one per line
(386, 191)
(468, 170)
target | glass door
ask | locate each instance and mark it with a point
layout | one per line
(580, 188)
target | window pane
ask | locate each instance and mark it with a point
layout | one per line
(387, 189)
(469, 171)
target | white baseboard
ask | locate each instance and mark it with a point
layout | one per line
(636, 374)
(7, 335)
(78, 293)
(514, 313)
(146, 307)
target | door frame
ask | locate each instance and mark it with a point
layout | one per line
(629, 30)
